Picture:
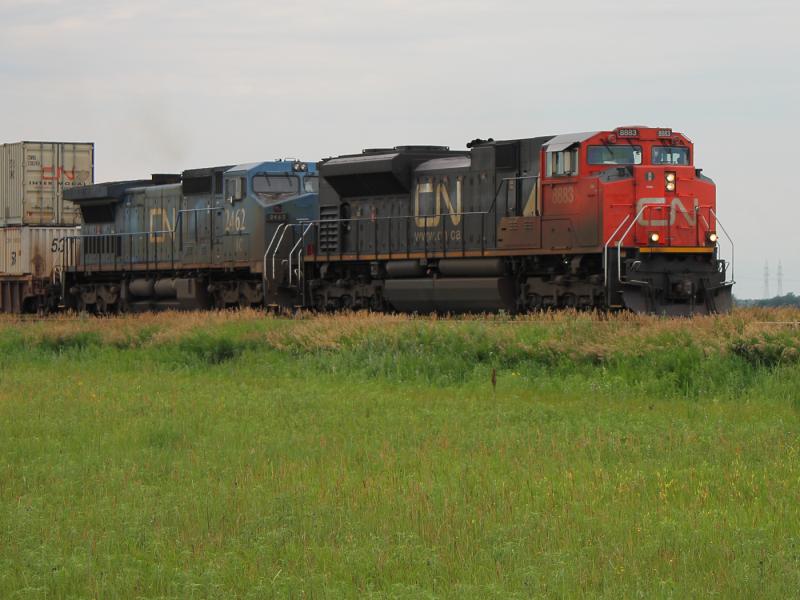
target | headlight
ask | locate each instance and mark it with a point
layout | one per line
(671, 177)
(654, 237)
(670, 186)
(712, 237)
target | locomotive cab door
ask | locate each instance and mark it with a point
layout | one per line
(507, 188)
(520, 223)
(560, 201)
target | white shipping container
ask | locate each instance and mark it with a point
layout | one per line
(35, 251)
(33, 176)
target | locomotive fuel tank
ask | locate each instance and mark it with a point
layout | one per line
(451, 294)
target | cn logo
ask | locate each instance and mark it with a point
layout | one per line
(160, 224)
(54, 174)
(676, 206)
(428, 200)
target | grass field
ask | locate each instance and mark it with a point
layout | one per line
(235, 455)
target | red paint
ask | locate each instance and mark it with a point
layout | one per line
(55, 174)
(680, 217)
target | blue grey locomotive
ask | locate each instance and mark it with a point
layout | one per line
(189, 241)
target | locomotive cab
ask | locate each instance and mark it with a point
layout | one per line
(659, 225)
(284, 189)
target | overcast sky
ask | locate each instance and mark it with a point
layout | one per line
(168, 85)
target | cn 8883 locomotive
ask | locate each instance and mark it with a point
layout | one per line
(189, 241)
(606, 219)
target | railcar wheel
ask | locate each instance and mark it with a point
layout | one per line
(534, 302)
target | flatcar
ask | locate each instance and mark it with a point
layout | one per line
(599, 220)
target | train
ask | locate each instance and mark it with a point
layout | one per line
(605, 220)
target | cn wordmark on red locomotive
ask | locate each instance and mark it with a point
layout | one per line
(605, 219)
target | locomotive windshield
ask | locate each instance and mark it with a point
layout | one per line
(272, 186)
(623, 154)
(668, 155)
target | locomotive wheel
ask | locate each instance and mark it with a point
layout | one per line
(376, 303)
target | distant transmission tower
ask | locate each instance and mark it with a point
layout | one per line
(766, 279)
(780, 279)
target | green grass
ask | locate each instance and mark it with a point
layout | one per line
(232, 455)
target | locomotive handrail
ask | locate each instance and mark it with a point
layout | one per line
(407, 219)
(605, 249)
(520, 177)
(619, 246)
(269, 246)
(448, 214)
(291, 252)
(286, 228)
(130, 234)
(428, 217)
(730, 241)
(708, 228)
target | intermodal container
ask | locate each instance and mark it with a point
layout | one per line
(35, 251)
(33, 177)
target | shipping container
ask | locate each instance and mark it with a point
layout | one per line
(35, 251)
(33, 177)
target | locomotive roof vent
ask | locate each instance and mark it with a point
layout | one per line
(377, 150)
(165, 178)
(422, 148)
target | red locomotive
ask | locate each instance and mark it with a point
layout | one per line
(605, 219)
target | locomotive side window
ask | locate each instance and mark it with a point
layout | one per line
(669, 155)
(311, 184)
(623, 154)
(274, 186)
(562, 164)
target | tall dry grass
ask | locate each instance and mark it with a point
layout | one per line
(763, 334)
